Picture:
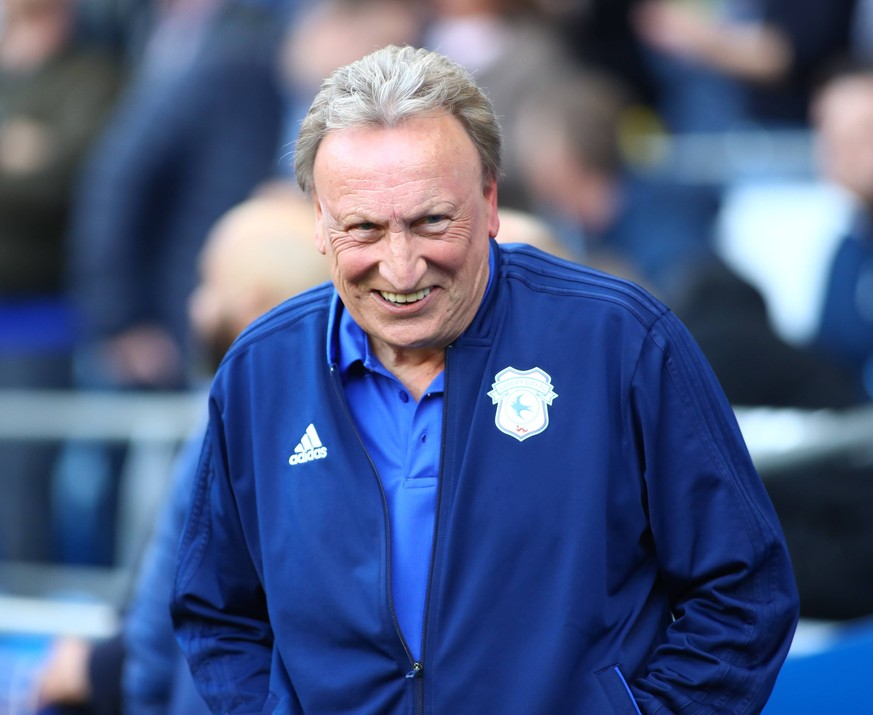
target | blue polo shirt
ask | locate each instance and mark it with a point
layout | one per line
(403, 438)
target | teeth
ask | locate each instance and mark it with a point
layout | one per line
(405, 297)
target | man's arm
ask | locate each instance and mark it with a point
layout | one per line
(720, 548)
(218, 606)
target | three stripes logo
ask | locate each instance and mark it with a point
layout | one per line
(310, 448)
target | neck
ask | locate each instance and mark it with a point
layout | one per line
(415, 368)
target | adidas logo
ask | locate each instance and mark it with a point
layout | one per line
(309, 448)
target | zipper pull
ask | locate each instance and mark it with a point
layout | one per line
(416, 672)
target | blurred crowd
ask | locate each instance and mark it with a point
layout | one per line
(719, 152)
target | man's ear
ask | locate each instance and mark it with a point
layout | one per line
(490, 192)
(320, 238)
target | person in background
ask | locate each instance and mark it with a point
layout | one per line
(510, 48)
(842, 114)
(740, 64)
(823, 503)
(196, 129)
(518, 226)
(600, 34)
(826, 507)
(257, 255)
(329, 34)
(606, 209)
(467, 477)
(55, 94)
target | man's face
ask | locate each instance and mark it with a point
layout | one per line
(404, 217)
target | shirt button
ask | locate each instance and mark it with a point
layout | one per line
(403, 396)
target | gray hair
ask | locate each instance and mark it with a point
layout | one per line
(388, 86)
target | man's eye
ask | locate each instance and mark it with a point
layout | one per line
(365, 230)
(433, 222)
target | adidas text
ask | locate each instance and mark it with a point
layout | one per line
(308, 456)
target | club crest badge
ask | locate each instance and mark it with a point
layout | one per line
(522, 398)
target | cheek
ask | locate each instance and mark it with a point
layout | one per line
(350, 264)
(462, 259)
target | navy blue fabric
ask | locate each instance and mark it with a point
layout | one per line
(632, 530)
(846, 323)
(403, 438)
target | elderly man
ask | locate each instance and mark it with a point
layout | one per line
(468, 477)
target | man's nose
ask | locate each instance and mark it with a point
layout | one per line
(402, 264)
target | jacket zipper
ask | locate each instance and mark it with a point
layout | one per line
(416, 671)
(416, 667)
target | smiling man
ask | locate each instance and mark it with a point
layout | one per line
(468, 477)
(405, 237)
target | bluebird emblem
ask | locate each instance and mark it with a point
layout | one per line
(522, 398)
(519, 407)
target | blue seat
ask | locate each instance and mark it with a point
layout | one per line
(834, 678)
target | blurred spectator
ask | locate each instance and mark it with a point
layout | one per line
(54, 96)
(824, 508)
(576, 170)
(511, 49)
(332, 33)
(660, 234)
(196, 129)
(600, 34)
(80, 678)
(823, 505)
(862, 31)
(843, 118)
(518, 226)
(120, 27)
(732, 63)
(576, 167)
(728, 318)
(259, 253)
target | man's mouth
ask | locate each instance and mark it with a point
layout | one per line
(399, 298)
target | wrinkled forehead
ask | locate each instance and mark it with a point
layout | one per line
(421, 148)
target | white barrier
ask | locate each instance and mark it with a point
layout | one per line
(152, 427)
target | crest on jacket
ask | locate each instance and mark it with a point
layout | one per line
(522, 398)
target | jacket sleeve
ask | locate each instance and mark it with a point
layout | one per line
(721, 553)
(218, 605)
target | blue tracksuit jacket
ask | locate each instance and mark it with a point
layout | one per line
(603, 543)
